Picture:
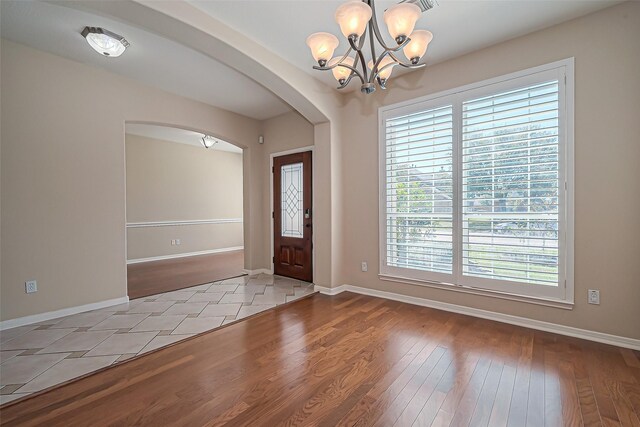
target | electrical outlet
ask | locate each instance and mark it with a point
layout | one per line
(364, 266)
(30, 286)
(594, 296)
(173, 242)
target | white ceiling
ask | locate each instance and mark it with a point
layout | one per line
(151, 59)
(181, 136)
(459, 26)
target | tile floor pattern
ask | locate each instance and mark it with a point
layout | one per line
(41, 355)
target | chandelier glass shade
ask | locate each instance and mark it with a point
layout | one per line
(352, 17)
(355, 17)
(322, 46)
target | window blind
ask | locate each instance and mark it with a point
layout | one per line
(510, 185)
(419, 190)
(477, 187)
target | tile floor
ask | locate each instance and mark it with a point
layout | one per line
(41, 355)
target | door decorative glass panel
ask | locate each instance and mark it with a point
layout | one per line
(292, 198)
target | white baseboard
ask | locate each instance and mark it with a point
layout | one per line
(35, 318)
(491, 315)
(185, 254)
(257, 271)
(331, 291)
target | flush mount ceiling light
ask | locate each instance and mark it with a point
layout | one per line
(105, 42)
(208, 141)
(353, 18)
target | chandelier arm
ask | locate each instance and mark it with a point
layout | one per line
(356, 44)
(364, 66)
(392, 64)
(375, 71)
(378, 35)
(400, 46)
(346, 82)
(403, 64)
(371, 43)
(362, 39)
(359, 58)
(330, 67)
(352, 43)
(376, 29)
(412, 66)
(353, 71)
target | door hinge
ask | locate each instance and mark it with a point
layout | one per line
(273, 214)
(273, 260)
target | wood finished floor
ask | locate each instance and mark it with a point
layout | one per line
(155, 277)
(354, 360)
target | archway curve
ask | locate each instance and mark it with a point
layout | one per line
(213, 133)
(188, 25)
(318, 103)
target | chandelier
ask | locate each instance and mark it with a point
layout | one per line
(353, 18)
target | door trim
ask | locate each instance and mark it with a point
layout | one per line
(313, 200)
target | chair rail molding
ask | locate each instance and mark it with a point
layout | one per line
(187, 222)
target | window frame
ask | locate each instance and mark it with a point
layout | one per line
(561, 296)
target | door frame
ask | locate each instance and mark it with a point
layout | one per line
(313, 201)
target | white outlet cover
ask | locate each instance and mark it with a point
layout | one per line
(594, 296)
(31, 286)
(365, 267)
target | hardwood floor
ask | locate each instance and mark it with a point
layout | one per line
(354, 360)
(151, 278)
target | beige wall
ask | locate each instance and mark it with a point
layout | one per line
(607, 177)
(168, 181)
(148, 242)
(63, 175)
(64, 221)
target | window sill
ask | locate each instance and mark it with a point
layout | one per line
(566, 305)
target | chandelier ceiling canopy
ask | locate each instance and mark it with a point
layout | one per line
(355, 17)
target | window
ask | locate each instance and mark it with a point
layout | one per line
(291, 177)
(475, 186)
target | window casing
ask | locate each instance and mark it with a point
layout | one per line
(476, 186)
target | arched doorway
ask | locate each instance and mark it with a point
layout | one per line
(184, 209)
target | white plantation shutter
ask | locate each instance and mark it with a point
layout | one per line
(476, 189)
(419, 191)
(510, 185)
